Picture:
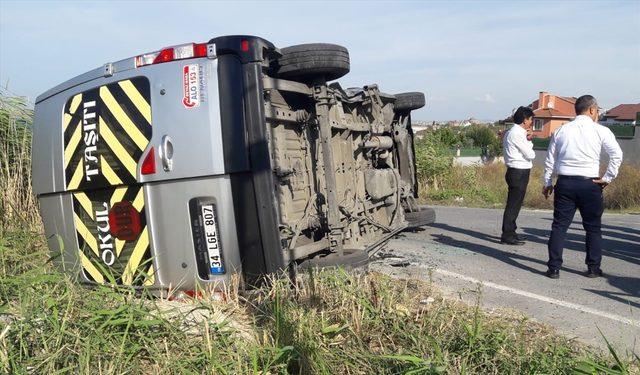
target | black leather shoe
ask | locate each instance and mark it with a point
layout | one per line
(512, 242)
(594, 272)
(552, 274)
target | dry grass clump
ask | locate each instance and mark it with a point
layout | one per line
(534, 197)
(475, 186)
(624, 192)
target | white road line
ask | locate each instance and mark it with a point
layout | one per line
(622, 319)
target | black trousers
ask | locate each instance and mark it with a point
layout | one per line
(517, 180)
(573, 192)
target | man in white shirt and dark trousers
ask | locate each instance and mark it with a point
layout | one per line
(574, 154)
(518, 155)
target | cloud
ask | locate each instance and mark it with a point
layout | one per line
(486, 98)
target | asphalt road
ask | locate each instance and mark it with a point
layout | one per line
(462, 254)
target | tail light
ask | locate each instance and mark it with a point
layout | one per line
(149, 163)
(183, 51)
(124, 221)
(244, 45)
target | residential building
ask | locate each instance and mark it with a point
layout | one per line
(420, 125)
(550, 112)
(464, 123)
(623, 114)
(469, 122)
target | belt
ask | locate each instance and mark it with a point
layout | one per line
(519, 169)
(577, 177)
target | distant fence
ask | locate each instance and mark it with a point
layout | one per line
(467, 152)
(540, 143)
(620, 131)
(623, 131)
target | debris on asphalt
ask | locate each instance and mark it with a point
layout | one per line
(401, 264)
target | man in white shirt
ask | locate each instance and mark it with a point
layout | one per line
(518, 154)
(574, 154)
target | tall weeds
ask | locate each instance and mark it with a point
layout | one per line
(624, 191)
(328, 322)
(18, 207)
(484, 186)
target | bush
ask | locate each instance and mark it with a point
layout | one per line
(433, 160)
(445, 137)
(485, 138)
(473, 137)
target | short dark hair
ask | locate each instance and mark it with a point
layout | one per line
(521, 114)
(585, 102)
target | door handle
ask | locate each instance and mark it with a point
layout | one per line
(166, 153)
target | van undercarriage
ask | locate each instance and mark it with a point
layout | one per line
(336, 161)
(201, 161)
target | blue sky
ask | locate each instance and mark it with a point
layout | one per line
(476, 58)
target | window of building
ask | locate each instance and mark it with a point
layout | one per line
(537, 125)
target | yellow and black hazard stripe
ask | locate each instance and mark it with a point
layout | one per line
(106, 131)
(105, 259)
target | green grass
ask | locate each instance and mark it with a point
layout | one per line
(329, 322)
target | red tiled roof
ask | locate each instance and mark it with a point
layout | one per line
(550, 112)
(570, 99)
(623, 112)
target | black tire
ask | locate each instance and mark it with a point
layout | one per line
(420, 218)
(308, 62)
(408, 101)
(352, 258)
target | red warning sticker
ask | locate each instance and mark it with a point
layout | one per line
(191, 86)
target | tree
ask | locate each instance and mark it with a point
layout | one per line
(485, 138)
(445, 137)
